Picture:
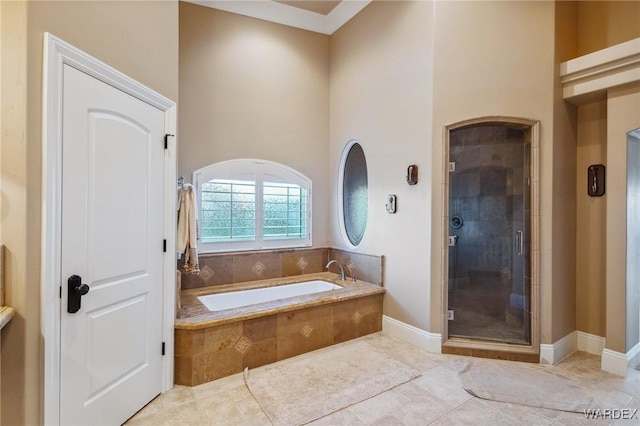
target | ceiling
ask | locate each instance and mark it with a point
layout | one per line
(317, 6)
(323, 16)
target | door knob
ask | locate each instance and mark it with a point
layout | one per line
(75, 292)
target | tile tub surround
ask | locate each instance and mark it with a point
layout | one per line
(211, 345)
(237, 267)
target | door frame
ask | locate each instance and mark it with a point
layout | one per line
(533, 127)
(58, 53)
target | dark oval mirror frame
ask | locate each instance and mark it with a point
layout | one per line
(354, 192)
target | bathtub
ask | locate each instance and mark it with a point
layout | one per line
(222, 329)
(237, 299)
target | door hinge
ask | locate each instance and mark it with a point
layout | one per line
(166, 140)
(163, 348)
(164, 246)
(60, 292)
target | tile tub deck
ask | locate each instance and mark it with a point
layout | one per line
(211, 345)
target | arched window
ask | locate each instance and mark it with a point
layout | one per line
(252, 204)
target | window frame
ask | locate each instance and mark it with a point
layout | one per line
(260, 171)
(341, 219)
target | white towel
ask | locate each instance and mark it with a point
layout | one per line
(187, 223)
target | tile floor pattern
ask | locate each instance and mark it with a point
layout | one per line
(434, 398)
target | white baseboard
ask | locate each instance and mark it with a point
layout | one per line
(634, 356)
(590, 343)
(619, 363)
(557, 351)
(430, 342)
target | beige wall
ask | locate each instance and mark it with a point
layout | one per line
(563, 296)
(590, 221)
(606, 23)
(254, 89)
(623, 107)
(497, 58)
(381, 76)
(601, 24)
(138, 38)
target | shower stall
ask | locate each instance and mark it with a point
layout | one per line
(489, 215)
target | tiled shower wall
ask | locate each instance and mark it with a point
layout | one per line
(487, 192)
(236, 267)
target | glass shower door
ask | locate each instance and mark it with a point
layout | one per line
(489, 227)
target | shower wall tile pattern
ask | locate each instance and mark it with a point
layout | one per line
(487, 191)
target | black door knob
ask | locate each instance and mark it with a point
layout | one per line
(82, 289)
(75, 291)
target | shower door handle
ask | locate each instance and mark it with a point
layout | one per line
(518, 243)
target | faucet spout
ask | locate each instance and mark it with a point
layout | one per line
(341, 274)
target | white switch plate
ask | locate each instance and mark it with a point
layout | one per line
(450, 314)
(452, 167)
(452, 240)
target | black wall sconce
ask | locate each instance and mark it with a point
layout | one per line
(595, 180)
(412, 174)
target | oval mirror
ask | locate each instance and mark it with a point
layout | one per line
(355, 193)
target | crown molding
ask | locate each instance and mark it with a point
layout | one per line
(289, 15)
(588, 77)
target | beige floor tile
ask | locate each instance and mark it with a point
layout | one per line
(578, 419)
(177, 396)
(391, 420)
(378, 406)
(608, 398)
(474, 412)
(417, 393)
(633, 414)
(437, 396)
(420, 413)
(186, 414)
(423, 406)
(252, 412)
(232, 418)
(151, 408)
(342, 417)
(630, 384)
(582, 367)
(240, 393)
(220, 409)
(444, 383)
(415, 357)
(218, 405)
(207, 389)
(524, 414)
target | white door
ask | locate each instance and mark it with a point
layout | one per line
(112, 238)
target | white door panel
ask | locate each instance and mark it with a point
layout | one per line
(112, 226)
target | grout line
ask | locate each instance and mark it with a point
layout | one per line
(451, 409)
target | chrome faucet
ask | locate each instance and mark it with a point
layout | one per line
(341, 274)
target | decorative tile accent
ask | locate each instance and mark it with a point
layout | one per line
(258, 268)
(243, 344)
(302, 263)
(306, 330)
(207, 354)
(206, 273)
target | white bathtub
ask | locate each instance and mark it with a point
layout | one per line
(236, 299)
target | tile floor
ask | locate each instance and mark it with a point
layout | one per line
(434, 398)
